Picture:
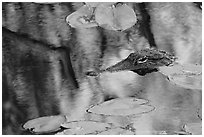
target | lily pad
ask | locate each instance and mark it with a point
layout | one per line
(187, 75)
(194, 128)
(181, 69)
(84, 127)
(119, 17)
(45, 124)
(117, 131)
(106, 15)
(82, 18)
(122, 107)
(95, 4)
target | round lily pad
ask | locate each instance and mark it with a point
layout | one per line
(84, 127)
(82, 18)
(181, 69)
(119, 17)
(117, 131)
(189, 82)
(187, 75)
(194, 128)
(95, 4)
(45, 124)
(122, 107)
(106, 15)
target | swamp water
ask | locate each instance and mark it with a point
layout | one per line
(172, 106)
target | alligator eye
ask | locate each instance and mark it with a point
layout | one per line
(142, 60)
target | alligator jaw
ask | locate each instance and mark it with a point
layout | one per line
(120, 66)
(123, 65)
(128, 65)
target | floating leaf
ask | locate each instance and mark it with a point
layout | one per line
(189, 82)
(106, 15)
(117, 131)
(181, 69)
(84, 127)
(122, 107)
(188, 75)
(45, 124)
(95, 4)
(194, 128)
(82, 18)
(119, 17)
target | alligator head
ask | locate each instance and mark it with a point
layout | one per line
(141, 62)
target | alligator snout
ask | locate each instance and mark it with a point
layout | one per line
(140, 62)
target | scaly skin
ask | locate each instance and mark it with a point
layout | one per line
(140, 62)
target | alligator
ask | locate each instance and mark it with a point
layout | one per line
(141, 62)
